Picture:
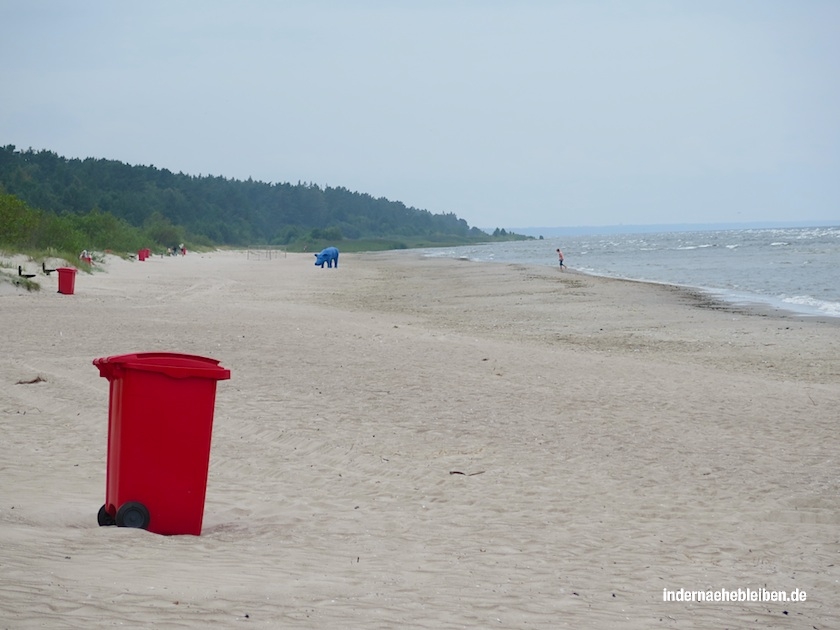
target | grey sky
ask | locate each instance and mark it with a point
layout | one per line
(509, 114)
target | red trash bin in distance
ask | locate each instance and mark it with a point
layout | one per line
(160, 422)
(66, 280)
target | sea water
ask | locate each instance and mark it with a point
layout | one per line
(794, 269)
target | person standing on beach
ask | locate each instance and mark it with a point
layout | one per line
(560, 257)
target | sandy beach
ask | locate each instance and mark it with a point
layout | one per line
(427, 443)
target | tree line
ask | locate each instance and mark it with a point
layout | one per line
(214, 210)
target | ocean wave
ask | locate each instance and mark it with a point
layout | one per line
(831, 309)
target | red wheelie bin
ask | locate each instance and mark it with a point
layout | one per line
(160, 422)
(66, 280)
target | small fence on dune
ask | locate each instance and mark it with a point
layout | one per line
(265, 254)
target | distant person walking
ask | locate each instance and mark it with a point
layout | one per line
(561, 259)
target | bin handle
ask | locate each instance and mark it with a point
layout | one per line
(214, 373)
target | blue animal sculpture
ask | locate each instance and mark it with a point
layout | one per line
(328, 255)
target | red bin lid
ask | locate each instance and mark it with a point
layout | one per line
(169, 363)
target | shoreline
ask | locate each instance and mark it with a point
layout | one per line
(714, 298)
(747, 304)
(815, 295)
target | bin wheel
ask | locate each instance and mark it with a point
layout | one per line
(133, 514)
(104, 517)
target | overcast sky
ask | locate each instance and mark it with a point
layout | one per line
(508, 114)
